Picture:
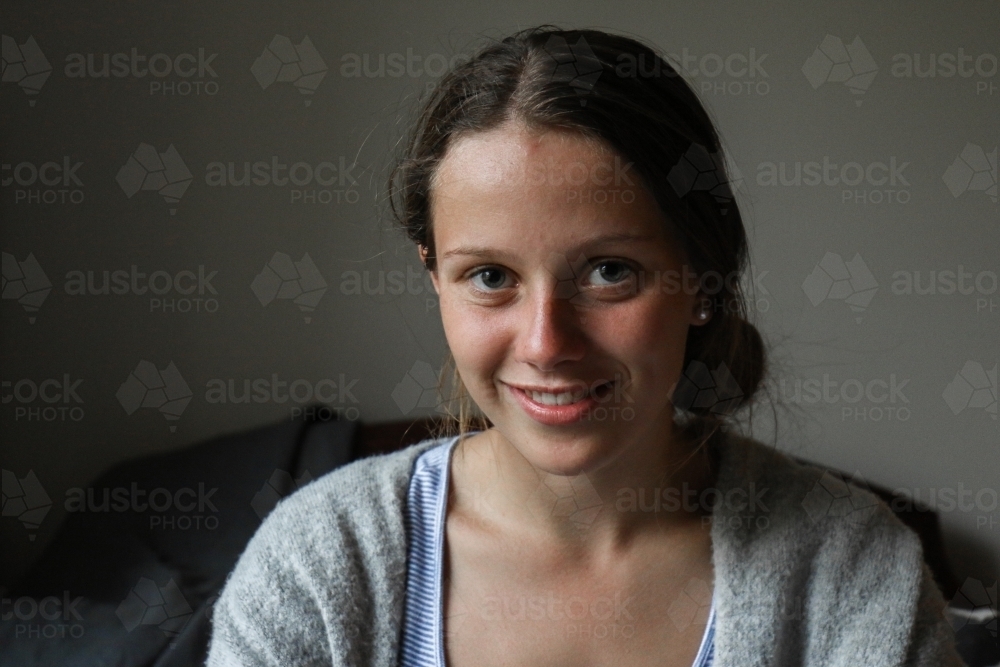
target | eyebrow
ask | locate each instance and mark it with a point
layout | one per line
(483, 251)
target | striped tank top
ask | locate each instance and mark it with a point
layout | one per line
(423, 620)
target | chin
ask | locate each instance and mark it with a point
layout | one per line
(570, 452)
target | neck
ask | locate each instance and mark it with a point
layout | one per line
(651, 484)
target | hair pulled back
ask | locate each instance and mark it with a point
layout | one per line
(623, 93)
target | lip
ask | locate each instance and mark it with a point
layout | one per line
(552, 415)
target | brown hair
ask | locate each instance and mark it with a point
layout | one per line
(621, 92)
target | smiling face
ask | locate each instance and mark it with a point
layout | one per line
(559, 296)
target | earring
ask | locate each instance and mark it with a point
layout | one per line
(702, 314)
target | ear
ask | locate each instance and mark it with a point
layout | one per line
(422, 251)
(701, 310)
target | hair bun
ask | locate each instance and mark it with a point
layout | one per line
(724, 366)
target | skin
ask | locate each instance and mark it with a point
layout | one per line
(533, 514)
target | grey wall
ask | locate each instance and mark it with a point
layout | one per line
(848, 326)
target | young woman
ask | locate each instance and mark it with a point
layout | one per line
(566, 192)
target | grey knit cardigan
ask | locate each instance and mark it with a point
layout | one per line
(830, 578)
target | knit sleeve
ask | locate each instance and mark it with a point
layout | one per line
(268, 614)
(322, 582)
(871, 577)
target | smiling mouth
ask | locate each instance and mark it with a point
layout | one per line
(567, 396)
(562, 398)
(563, 405)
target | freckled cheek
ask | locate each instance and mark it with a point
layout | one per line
(477, 339)
(649, 337)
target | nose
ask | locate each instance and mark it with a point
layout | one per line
(551, 333)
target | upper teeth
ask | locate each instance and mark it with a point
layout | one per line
(564, 398)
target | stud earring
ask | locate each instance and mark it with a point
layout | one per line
(703, 315)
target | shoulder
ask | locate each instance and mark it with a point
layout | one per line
(358, 507)
(806, 502)
(324, 566)
(818, 549)
(813, 500)
(355, 489)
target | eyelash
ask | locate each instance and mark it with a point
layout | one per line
(631, 269)
(592, 266)
(479, 271)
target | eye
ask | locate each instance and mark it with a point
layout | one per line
(489, 279)
(610, 273)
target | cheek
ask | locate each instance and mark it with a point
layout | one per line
(477, 340)
(648, 334)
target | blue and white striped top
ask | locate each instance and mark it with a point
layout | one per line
(423, 621)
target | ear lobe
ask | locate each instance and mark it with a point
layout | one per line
(701, 311)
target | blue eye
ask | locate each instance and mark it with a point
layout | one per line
(609, 273)
(489, 278)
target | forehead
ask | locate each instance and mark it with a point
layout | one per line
(500, 156)
(521, 185)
